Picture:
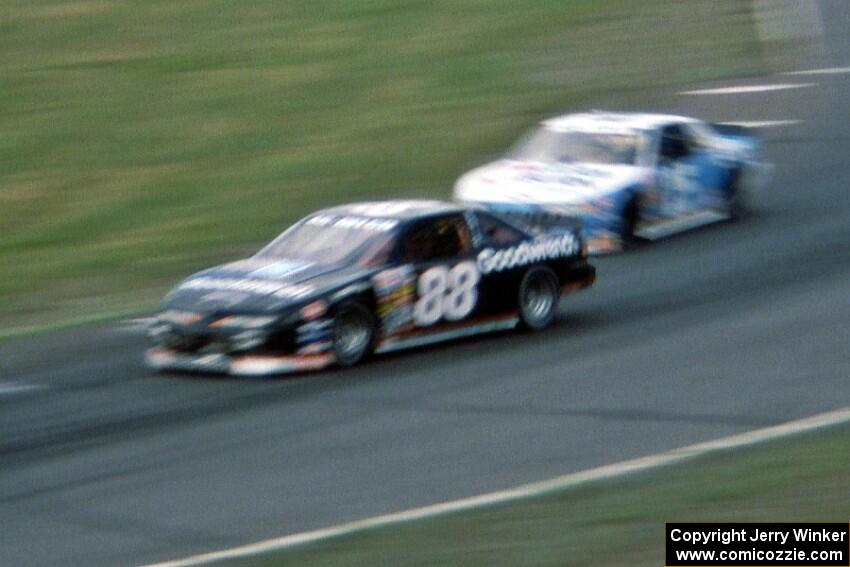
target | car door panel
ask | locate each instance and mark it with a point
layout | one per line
(441, 253)
(689, 178)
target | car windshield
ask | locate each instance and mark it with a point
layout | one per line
(331, 239)
(574, 146)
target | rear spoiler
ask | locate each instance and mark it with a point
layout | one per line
(733, 129)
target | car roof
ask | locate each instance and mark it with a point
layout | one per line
(400, 209)
(612, 122)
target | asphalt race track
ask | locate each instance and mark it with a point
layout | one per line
(718, 331)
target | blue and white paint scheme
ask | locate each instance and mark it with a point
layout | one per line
(625, 175)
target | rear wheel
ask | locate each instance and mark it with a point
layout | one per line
(736, 198)
(538, 298)
(353, 333)
(630, 220)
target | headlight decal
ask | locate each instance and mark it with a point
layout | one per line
(242, 321)
(179, 317)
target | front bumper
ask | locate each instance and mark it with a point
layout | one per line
(162, 358)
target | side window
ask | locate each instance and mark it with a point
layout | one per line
(497, 232)
(674, 143)
(378, 252)
(433, 239)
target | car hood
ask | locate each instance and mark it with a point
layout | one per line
(258, 285)
(521, 182)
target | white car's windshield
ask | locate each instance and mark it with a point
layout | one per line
(573, 146)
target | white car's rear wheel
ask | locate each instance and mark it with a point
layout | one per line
(630, 221)
(737, 203)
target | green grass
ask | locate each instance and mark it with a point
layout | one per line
(610, 523)
(142, 140)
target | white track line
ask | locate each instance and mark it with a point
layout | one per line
(135, 325)
(11, 388)
(749, 89)
(827, 71)
(762, 123)
(525, 491)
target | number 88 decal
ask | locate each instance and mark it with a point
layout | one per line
(446, 293)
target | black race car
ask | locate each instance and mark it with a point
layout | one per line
(368, 277)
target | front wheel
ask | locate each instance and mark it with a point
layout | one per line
(353, 333)
(538, 298)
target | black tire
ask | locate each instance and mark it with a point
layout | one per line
(736, 198)
(631, 218)
(353, 333)
(538, 298)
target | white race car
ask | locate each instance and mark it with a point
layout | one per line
(628, 176)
